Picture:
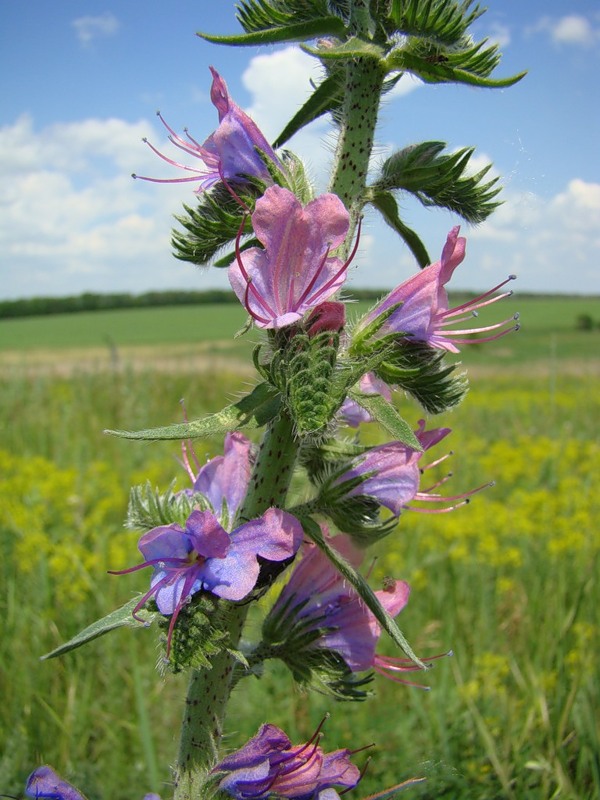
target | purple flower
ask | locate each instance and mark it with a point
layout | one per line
(45, 783)
(224, 479)
(423, 313)
(229, 153)
(351, 413)
(203, 556)
(391, 471)
(294, 272)
(268, 764)
(317, 596)
(392, 474)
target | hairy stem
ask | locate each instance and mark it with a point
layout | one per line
(209, 689)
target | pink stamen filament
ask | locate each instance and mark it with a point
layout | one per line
(172, 162)
(474, 303)
(249, 285)
(437, 461)
(331, 281)
(465, 331)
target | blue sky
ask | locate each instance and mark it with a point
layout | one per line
(82, 80)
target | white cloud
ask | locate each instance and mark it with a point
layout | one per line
(572, 29)
(89, 28)
(71, 217)
(407, 84)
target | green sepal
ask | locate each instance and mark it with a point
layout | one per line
(200, 634)
(213, 223)
(290, 32)
(470, 67)
(121, 617)
(438, 179)
(150, 508)
(387, 416)
(325, 98)
(252, 411)
(386, 204)
(421, 371)
(354, 47)
(312, 529)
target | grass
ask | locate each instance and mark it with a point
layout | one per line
(510, 583)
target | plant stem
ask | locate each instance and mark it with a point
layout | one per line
(209, 689)
(362, 93)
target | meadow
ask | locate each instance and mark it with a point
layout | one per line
(509, 583)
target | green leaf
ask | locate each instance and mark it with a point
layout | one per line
(293, 32)
(121, 617)
(387, 416)
(439, 179)
(471, 69)
(387, 206)
(313, 530)
(444, 21)
(325, 97)
(252, 411)
(354, 47)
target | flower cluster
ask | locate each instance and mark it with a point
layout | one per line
(203, 555)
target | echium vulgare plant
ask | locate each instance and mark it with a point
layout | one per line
(215, 548)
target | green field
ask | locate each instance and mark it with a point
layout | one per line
(510, 582)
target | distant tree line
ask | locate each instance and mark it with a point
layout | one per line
(90, 301)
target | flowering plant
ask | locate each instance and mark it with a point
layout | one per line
(217, 547)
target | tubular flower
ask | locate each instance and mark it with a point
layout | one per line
(269, 765)
(45, 783)
(294, 272)
(317, 597)
(229, 154)
(423, 314)
(203, 556)
(223, 480)
(391, 473)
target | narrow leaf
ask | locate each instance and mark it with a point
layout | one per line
(310, 29)
(362, 587)
(121, 617)
(387, 416)
(319, 103)
(387, 206)
(253, 411)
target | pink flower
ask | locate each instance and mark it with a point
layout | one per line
(228, 154)
(423, 312)
(294, 272)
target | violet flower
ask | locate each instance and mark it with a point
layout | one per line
(351, 413)
(203, 556)
(228, 154)
(45, 783)
(423, 313)
(269, 765)
(318, 597)
(392, 474)
(294, 272)
(223, 480)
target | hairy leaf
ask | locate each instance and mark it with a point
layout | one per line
(439, 179)
(386, 204)
(121, 617)
(252, 411)
(387, 416)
